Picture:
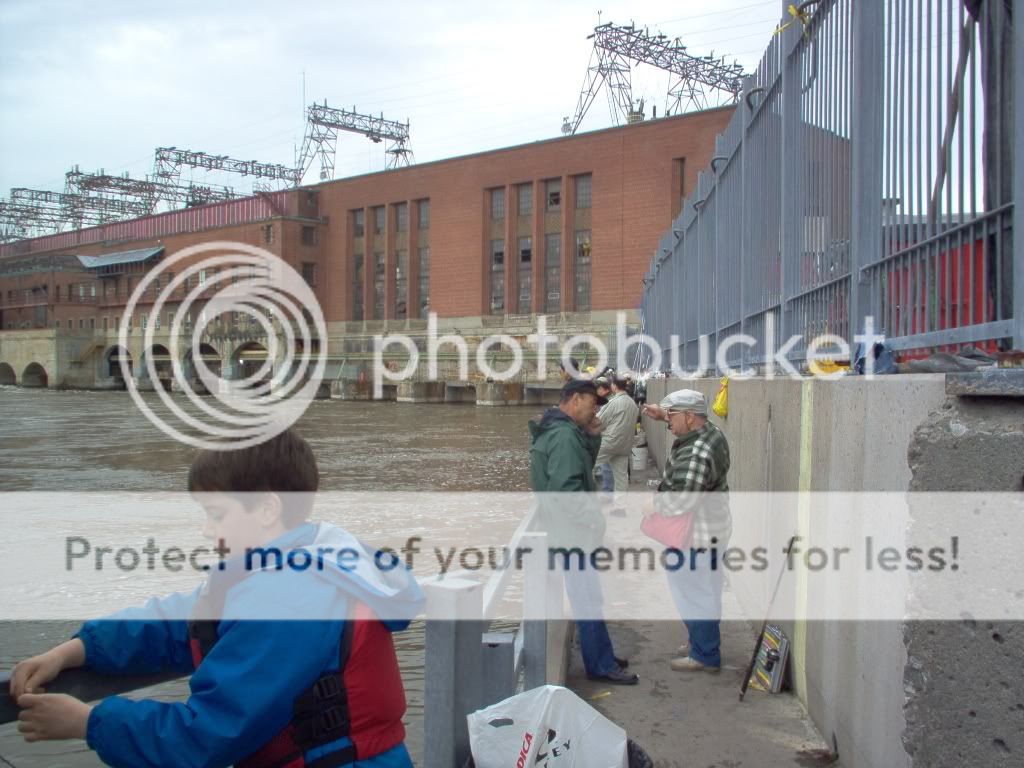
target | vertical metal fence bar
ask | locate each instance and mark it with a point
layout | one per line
(744, 224)
(866, 135)
(1016, 311)
(791, 213)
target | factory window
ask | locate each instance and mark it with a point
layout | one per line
(424, 211)
(378, 220)
(92, 323)
(142, 320)
(202, 279)
(553, 273)
(424, 254)
(553, 194)
(401, 284)
(525, 275)
(56, 323)
(309, 273)
(106, 323)
(268, 234)
(497, 276)
(308, 235)
(358, 228)
(582, 270)
(156, 320)
(402, 217)
(378, 285)
(357, 287)
(525, 194)
(498, 204)
(583, 191)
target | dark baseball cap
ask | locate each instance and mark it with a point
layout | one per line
(582, 387)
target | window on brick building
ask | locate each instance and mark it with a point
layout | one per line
(378, 285)
(525, 275)
(583, 191)
(553, 273)
(402, 217)
(378, 220)
(268, 234)
(308, 235)
(358, 223)
(525, 194)
(424, 214)
(553, 194)
(498, 204)
(309, 273)
(401, 283)
(357, 286)
(582, 270)
(497, 276)
(424, 256)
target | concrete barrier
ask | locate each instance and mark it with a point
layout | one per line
(851, 434)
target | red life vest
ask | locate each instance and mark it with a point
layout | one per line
(363, 701)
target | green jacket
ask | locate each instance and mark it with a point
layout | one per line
(562, 454)
(562, 459)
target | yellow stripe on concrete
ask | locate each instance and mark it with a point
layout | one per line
(803, 528)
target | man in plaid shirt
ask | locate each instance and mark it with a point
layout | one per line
(695, 482)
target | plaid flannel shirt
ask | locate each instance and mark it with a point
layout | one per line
(695, 481)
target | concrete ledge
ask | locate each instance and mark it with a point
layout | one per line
(997, 382)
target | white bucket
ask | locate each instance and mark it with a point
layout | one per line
(639, 458)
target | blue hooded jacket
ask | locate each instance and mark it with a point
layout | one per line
(243, 692)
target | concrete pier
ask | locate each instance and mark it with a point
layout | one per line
(421, 392)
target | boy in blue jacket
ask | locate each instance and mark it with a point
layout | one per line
(290, 666)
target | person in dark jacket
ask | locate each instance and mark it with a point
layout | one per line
(289, 666)
(565, 442)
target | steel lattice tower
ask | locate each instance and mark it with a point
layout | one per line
(697, 82)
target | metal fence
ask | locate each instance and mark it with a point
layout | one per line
(867, 176)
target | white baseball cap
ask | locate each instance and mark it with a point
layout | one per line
(685, 400)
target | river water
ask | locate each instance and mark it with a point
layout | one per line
(99, 441)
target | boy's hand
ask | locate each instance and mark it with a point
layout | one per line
(31, 675)
(47, 716)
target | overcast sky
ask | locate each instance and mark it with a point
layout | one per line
(101, 84)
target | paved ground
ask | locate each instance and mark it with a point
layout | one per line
(695, 720)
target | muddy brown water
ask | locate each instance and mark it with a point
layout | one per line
(99, 441)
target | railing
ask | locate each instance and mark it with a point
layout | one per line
(869, 171)
(466, 666)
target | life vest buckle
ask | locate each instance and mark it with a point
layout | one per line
(327, 687)
(332, 719)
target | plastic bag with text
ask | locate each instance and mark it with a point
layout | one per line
(550, 727)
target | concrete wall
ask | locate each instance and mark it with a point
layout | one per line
(965, 679)
(845, 435)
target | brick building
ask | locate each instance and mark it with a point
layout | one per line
(563, 227)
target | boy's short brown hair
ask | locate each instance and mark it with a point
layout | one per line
(283, 464)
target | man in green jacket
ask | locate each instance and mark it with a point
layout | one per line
(565, 442)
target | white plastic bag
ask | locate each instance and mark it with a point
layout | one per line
(547, 727)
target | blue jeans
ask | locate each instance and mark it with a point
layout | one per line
(584, 590)
(607, 479)
(697, 591)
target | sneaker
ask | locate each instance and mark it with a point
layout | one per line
(686, 664)
(683, 650)
(621, 662)
(616, 677)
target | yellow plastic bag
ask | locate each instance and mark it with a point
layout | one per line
(721, 404)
